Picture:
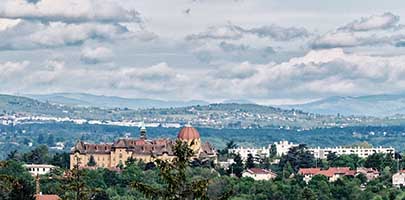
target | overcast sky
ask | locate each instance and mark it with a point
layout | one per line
(266, 51)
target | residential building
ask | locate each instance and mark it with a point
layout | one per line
(39, 169)
(370, 173)
(398, 179)
(332, 173)
(283, 147)
(117, 153)
(322, 153)
(259, 174)
(244, 152)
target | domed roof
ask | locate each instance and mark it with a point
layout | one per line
(188, 133)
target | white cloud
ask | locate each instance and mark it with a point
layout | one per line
(234, 32)
(374, 22)
(375, 30)
(68, 10)
(35, 34)
(96, 55)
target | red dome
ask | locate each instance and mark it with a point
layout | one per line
(188, 133)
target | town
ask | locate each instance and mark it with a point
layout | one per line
(279, 161)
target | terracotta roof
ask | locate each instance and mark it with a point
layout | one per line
(329, 172)
(259, 171)
(367, 170)
(47, 197)
(304, 171)
(188, 133)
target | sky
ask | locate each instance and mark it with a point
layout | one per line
(265, 51)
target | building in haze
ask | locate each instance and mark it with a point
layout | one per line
(362, 152)
(111, 155)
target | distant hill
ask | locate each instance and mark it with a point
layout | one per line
(230, 115)
(90, 100)
(372, 105)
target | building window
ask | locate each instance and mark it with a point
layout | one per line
(120, 155)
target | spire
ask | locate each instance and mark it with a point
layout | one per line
(142, 131)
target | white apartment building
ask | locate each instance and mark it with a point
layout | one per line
(244, 152)
(398, 179)
(39, 169)
(322, 153)
(282, 148)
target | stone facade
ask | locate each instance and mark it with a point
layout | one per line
(111, 155)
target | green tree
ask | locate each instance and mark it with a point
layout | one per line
(178, 185)
(250, 162)
(15, 181)
(76, 188)
(92, 161)
(273, 151)
(298, 157)
(308, 194)
(61, 160)
(236, 167)
(38, 155)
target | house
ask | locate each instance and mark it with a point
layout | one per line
(398, 179)
(370, 173)
(47, 197)
(259, 174)
(39, 169)
(332, 173)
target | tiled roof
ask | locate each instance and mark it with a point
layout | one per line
(259, 171)
(329, 172)
(47, 197)
(304, 171)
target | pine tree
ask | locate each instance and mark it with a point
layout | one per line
(237, 167)
(250, 163)
(174, 174)
(92, 161)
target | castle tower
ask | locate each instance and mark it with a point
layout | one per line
(190, 135)
(142, 131)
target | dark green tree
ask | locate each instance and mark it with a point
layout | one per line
(273, 151)
(51, 140)
(38, 155)
(178, 185)
(250, 162)
(308, 194)
(237, 167)
(92, 161)
(298, 157)
(61, 160)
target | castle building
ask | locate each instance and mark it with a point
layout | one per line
(111, 155)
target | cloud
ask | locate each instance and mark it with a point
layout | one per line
(234, 32)
(96, 55)
(56, 75)
(228, 31)
(317, 74)
(375, 30)
(35, 34)
(68, 11)
(240, 71)
(11, 70)
(374, 22)
(278, 33)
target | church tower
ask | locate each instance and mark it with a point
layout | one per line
(142, 131)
